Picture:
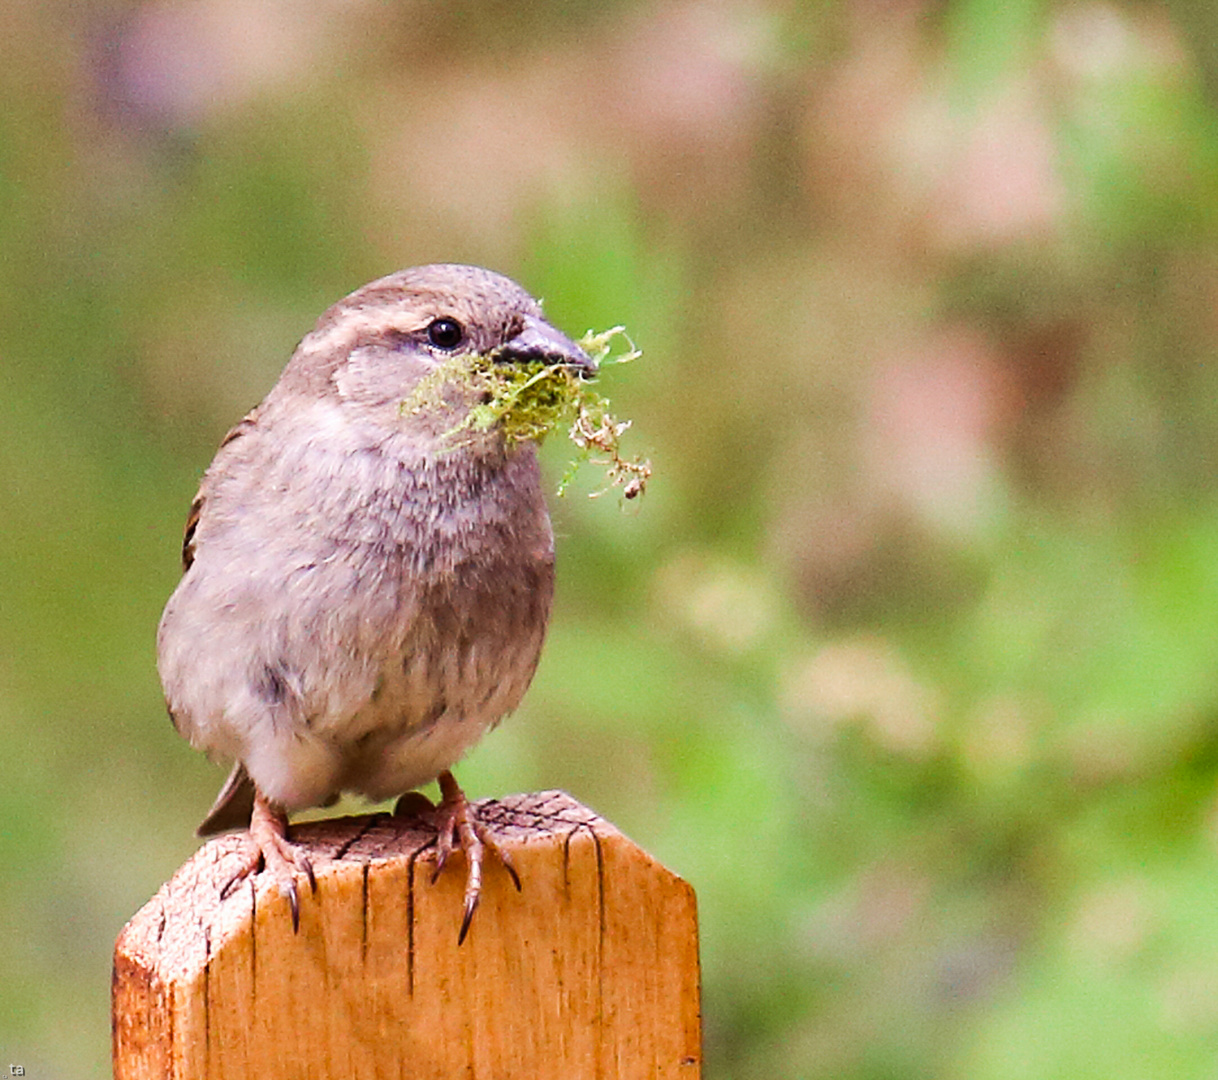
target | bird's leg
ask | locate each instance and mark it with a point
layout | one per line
(267, 847)
(457, 825)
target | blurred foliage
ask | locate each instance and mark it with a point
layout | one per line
(908, 662)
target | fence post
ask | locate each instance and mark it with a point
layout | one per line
(590, 972)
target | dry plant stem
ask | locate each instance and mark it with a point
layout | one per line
(268, 846)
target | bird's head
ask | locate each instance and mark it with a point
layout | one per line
(374, 346)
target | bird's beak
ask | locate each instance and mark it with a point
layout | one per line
(538, 340)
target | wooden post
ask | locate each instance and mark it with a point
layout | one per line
(590, 972)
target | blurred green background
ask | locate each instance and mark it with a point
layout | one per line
(908, 660)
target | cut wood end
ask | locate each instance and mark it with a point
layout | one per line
(590, 971)
(186, 922)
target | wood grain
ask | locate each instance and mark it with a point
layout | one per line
(590, 972)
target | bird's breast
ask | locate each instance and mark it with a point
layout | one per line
(453, 558)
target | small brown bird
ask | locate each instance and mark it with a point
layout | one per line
(362, 600)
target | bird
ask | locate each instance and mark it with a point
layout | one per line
(363, 597)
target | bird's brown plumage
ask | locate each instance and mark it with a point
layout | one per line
(361, 602)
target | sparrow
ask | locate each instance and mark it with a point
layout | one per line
(363, 597)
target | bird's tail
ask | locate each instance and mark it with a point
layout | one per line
(233, 806)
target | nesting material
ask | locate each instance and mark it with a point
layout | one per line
(529, 400)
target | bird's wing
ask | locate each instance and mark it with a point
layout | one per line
(200, 499)
(235, 803)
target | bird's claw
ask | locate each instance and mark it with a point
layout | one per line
(268, 848)
(457, 825)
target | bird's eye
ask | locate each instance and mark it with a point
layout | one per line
(445, 333)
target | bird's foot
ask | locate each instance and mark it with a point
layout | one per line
(267, 847)
(457, 826)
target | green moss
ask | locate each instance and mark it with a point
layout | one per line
(528, 401)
